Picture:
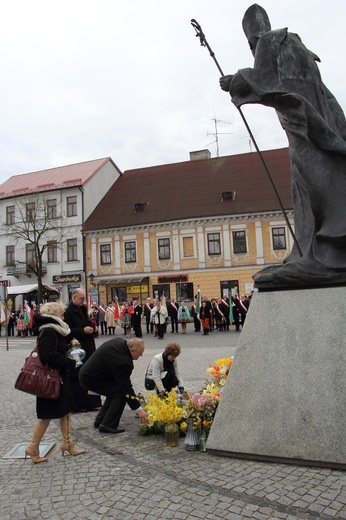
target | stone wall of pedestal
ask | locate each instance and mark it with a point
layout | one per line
(285, 398)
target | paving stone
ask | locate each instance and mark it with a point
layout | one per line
(135, 478)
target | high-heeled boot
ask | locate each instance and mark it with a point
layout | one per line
(67, 442)
(33, 448)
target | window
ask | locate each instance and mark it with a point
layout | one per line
(51, 208)
(72, 249)
(30, 255)
(71, 208)
(9, 255)
(162, 289)
(105, 254)
(239, 242)
(52, 252)
(130, 252)
(214, 244)
(187, 246)
(184, 292)
(30, 212)
(10, 214)
(279, 238)
(164, 249)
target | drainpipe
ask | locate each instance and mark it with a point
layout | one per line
(83, 237)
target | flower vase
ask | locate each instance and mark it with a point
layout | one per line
(172, 434)
(191, 439)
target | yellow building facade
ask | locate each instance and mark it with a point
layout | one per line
(218, 255)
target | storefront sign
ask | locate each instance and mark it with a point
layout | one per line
(136, 289)
(175, 278)
(4, 283)
(62, 278)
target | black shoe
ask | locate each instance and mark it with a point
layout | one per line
(105, 429)
(96, 424)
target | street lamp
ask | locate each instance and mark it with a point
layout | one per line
(91, 279)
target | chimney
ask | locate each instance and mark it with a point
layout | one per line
(200, 154)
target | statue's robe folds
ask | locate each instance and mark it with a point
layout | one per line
(286, 77)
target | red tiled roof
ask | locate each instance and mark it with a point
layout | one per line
(44, 180)
(193, 189)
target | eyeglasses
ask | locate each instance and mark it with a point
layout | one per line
(82, 298)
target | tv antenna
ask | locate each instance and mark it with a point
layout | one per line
(217, 133)
(250, 142)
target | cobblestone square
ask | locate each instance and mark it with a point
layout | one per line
(131, 477)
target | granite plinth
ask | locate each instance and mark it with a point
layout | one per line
(285, 398)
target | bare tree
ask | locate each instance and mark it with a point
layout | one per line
(37, 224)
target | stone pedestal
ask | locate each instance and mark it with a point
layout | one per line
(285, 399)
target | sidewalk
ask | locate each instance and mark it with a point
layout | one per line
(130, 477)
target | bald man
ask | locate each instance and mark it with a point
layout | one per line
(108, 372)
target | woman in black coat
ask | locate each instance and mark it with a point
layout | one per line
(52, 332)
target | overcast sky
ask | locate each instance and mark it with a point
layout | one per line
(83, 79)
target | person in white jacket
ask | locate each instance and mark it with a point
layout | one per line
(159, 315)
(163, 370)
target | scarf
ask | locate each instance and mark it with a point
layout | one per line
(242, 306)
(168, 366)
(60, 327)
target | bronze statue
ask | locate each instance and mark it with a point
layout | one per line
(286, 77)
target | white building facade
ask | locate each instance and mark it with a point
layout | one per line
(60, 199)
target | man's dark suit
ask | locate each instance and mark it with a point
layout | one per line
(173, 314)
(77, 318)
(108, 373)
(147, 313)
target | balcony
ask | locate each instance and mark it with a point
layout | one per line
(20, 268)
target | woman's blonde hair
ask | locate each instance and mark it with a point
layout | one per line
(53, 308)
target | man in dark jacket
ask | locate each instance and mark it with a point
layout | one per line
(137, 319)
(108, 373)
(76, 317)
(173, 314)
(147, 314)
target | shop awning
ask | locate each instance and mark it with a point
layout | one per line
(25, 289)
(125, 281)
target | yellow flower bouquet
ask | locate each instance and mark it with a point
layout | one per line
(162, 411)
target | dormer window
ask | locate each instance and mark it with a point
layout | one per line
(141, 206)
(228, 195)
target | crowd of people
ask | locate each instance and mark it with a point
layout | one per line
(19, 322)
(156, 316)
